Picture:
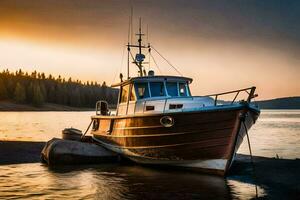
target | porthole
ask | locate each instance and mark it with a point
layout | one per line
(167, 121)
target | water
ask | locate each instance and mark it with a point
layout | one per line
(276, 133)
(115, 182)
(40, 126)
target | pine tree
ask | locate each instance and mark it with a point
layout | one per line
(43, 90)
(35, 88)
(104, 91)
(3, 91)
(20, 93)
(51, 94)
(38, 98)
(29, 92)
(75, 98)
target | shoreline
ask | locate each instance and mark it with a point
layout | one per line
(17, 152)
(7, 106)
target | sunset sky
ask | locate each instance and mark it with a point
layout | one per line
(222, 45)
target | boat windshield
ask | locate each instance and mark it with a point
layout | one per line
(142, 90)
(183, 90)
(176, 89)
(157, 89)
(172, 89)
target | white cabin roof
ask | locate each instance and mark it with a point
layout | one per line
(153, 78)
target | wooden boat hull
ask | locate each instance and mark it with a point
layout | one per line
(206, 139)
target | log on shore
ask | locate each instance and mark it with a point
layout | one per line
(59, 151)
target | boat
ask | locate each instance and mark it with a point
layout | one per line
(158, 121)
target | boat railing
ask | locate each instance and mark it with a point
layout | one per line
(163, 102)
(250, 91)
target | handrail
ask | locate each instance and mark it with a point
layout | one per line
(235, 97)
(233, 91)
(251, 95)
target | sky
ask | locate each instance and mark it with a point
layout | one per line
(222, 45)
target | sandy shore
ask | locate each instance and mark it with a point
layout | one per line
(15, 152)
(280, 178)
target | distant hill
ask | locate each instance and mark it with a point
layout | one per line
(280, 103)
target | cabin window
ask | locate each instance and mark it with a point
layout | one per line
(124, 94)
(142, 90)
(157, 89)
(172, 89)
(132, 95)
(182, 90)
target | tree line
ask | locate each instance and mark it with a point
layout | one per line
(37, 88)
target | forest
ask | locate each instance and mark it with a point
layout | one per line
(36, 89)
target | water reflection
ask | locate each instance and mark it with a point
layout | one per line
(112, 182)
(243, 189)
(40, 126)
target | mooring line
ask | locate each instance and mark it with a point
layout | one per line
(87, 129)
(251, 157)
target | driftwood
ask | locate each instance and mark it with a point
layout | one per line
(59, 151)
(71, 134)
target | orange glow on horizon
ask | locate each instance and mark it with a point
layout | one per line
(86, 42)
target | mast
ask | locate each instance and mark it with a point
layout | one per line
(139, 57)
(140, 47)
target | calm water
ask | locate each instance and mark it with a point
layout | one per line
(276, 132)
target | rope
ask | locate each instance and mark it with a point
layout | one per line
(120, 68)
(155, 63)
(87, 129)
(146, 54)
(167, 61)
(251, 157)
(132, 57)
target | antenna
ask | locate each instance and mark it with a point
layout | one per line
(147, 33)
(128, 49)
(149, 48)
(130, 32)
(131, 25)
(139, 57)
(140, 36)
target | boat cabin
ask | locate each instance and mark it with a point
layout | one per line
(154, 94)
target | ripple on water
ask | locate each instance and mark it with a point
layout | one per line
(111, 182)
